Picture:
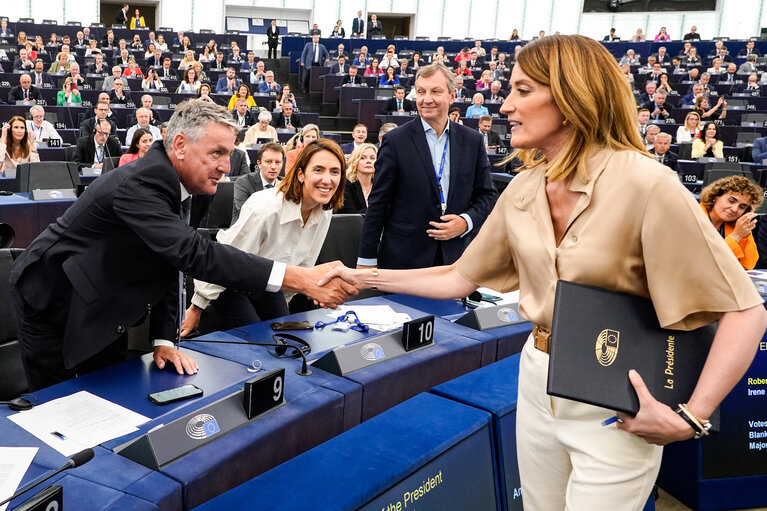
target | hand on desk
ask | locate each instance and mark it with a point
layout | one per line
(452, 226)
(183, 363)
(191, 320)
(331, 294)
(655, 423)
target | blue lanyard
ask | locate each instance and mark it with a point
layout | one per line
(349, 317)
(439, 174)
(100, 159)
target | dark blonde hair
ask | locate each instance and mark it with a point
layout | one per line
(354, 158)
(293, 188)
(735, 184)
(604, 114)
(23, 144)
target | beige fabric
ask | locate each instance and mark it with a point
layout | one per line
(635, 229)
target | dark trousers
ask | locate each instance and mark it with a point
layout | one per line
(306, 78)
(272, 48)
(41, 336)
(235, 309)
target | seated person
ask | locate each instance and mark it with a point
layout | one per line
(190, 83)
(454, 114)
(494, 93)
(242, 115)
(708, 143)
(268, 166)
(243, 91)
(462, 70)
(689, 99)
(61, 65)
(152, 81)
(359, 136)
(24, 91)
(287, 223)
(485, 81)
(477, 109)
(133, 71)
(69, 93)
(23, 63)
(287, 119)
(661, 151)
(730, 203)
(143, 121)
(93, 148)
(491, 138)
(461, 92)
(373, 69)
(398, 103)
(17, 144)
(39, 127)
(101, 111)
(228, 83)
(629, 58)
(339, 67)
(389, 77)
(359, 179)
(308, 134)
(658, 107)
(269, 85)
(353, 78)
(261, 129)
(750, 87)
(690, 129)
(99, 67)
(707, 113)
(140, 143)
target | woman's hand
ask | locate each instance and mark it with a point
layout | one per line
(655, 423)
(191, 320)
(4, 136)
(743, 226)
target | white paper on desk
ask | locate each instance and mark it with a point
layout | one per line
(76, 422)
(377, 317)
(14, 463)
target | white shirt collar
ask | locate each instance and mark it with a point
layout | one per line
(427, 127)
(184, 193)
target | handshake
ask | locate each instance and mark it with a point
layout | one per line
(328, 284)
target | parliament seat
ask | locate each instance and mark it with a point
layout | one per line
(12, 379)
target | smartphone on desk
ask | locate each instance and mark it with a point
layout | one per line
(292, 325)
(168, 396)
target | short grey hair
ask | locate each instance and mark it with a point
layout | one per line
(192, 117)
(264, 116)
(663, 135)
(386, 128)
(432, 69)
(35, 108)
(652, 127)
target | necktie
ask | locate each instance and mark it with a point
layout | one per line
(184, 214)
(287, 121)
(38, 79)
(399, 105)
(493, 97)
(316, 53)
(26, 94)
(270, 185)
(484, 136)
(99, 154)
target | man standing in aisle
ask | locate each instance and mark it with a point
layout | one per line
(314, 54)
(272, 39)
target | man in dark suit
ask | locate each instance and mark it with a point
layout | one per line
(353, 78)
(155, 60)
(358, 25)
(272, 39)
(269, 163)
(228, 83)
(360, 135)
(238, 163)
(24, 91)
(475, 61)
(662, 154)
(461, 91)
(759, 151)
(374, 26)
(242, 114)
(340, 66)
(398, 103)
(122, 16)
(166, 72)
(314, 54)
(73, 310)
(23, 63)
(494, 93)
(432, 190)
(749, 50)
(750, 87)
(287, 119)
(94, 147)
(657, 106)
(39, 76)
(491, 139)
(99, 67)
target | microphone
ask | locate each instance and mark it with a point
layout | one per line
(81, 458)
(304, 371)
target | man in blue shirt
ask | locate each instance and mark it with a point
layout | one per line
(269, 85)
(228, 83)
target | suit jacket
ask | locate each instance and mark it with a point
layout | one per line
(494, 139)
(86, 129)
(130, 218)
(238, 163)
(759, 151)
(307, 55)
(670, 160)
(356, 80)
(500, 96)
(464, 93)
(650, 105)
(122, 17)
(250, 117)
(358, 26)
(336, 69)
(45, 77)
(105, 70)
(244, 187)
(391, 106)
(279, 120)
(405, 197)
(272, 35)
(743, 87)
(171, 73)
(744, 52)
(354, 199)
(374, 28)
(19, 66)
(86, 149)
(17, 94)
(221, 84)
(348, 148)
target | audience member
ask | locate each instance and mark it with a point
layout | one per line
(313, 54)
(61, 64)
(309, 133)
(269, 165)
(24, 91)
(261, 130)
(141, 141)
(461, 92)
(152, 81)
(272, 39)
(4, 30)
(39, 127)
(729, 204)
(17, 144)
(662, 154)
(133, 71)
(259, 74)
(708, 143)
(749, 66)
(477, 109)
(94, 147)
(491, 139)
(629, 58)
(643, 117)
(462, 70)
(187, 61)
(692, 35)
(101, 111)
(122, 17)
(657, 106)
(359, 179)
(203, 93)
(23, 63)
(358, 25)
(398, 103)
(374, 26)
(99, 67)
(143, 118)
(340, 66)
(69, 93)
(759, 151)
(663, 57)
(390, 59)
(243, 91)
(287, 119)
(708, 113)
(649, 137)
(242, 114)
(373, 69)
(269, 85)
(359, 137)
(137, 20)
(454, 114)
(40, 77)
(690, 129)
(117, 94)
(353, 78)
(389, 77)
(190, 83)
(284, 95)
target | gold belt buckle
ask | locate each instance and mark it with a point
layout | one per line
(542, 338)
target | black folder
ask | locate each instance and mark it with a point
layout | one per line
(598, 336)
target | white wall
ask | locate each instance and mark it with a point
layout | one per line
(433, 18)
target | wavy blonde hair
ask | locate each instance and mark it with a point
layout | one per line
(604, 114)
(354, 158)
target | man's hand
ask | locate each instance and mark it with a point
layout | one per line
(655, 423)
(452, 226)
(191, 320)
(183, 363)
(306, 281)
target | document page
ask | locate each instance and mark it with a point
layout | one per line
(73, 423)
(14, 462)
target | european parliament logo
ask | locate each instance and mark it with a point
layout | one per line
(372, 351)
(607, 346)
(202, 426)
(507, 315)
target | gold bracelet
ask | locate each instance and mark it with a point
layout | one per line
(702, 424)
(374, 272)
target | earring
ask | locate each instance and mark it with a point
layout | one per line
(564, 123)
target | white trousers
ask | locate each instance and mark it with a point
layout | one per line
(567, 459)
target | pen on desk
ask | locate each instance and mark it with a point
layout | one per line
(59, 435)
(609, 421)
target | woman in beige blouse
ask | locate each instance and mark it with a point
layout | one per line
(262, 129)
(16, 144)
(591, 207)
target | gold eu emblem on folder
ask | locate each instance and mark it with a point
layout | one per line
(607, 346)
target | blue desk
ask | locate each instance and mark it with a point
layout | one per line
(29, 218)
(427, 438)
